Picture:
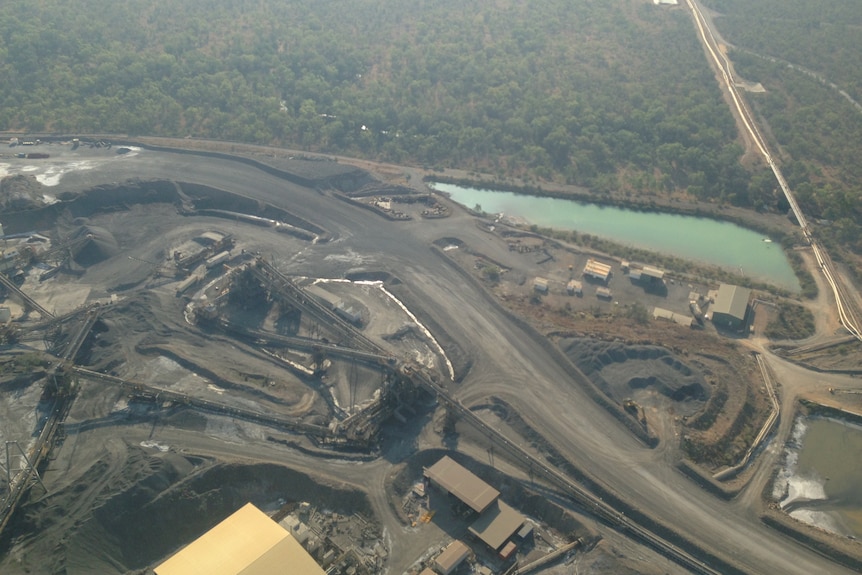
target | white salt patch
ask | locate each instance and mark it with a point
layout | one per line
(817, 519)
(164, 368)
(52, 174)
(50, 178)
(131, 154)
(167, 363)
(156, 445)
(791, 461)
(805, 489)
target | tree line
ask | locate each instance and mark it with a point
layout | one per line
(604, 94)
(815, 128)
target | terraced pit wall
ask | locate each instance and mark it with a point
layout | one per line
(577, 376)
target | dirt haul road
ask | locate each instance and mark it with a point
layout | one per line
(508, 362)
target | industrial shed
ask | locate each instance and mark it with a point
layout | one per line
(451, 557)
(681, 319)
(247, 543)
(731, 306)
(508, 549)
(540, 285)
(651, 277)
(653, 274)
(452, 478)
(497, 524)
(597, 270)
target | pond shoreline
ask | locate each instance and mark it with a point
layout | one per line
(843, 547)
(768, 223)
(722, 239)
(810, 407)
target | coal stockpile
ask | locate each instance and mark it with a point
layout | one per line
(98, 245)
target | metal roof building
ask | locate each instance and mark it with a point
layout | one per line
(647, 276)
(540, 285)
(597, 270)
(451, 557)
(681, 319)
(654, 274)
(246, 543)
(497, 524)
(731, 306)
(508, 549)
(452, 478)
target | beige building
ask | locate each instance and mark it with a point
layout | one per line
(730, 309)
(497, 524)
(246, 543)
(451, 557)
(597, 270)
(452, 478)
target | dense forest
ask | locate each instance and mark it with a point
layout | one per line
(819, 35)
(807, 56)
(612, 95)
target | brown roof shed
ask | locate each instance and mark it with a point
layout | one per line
(455, 479)
(451, 557)
(497, 524)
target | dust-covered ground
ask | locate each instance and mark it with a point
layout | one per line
(132, 459)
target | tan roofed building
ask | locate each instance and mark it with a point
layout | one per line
(497, 524)
(574, 287)
(451, 557)
(452, 478)
(652, 276)
(540, 285)
(681, 319)
(731, 306)
(598, 270)
(246, 543)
